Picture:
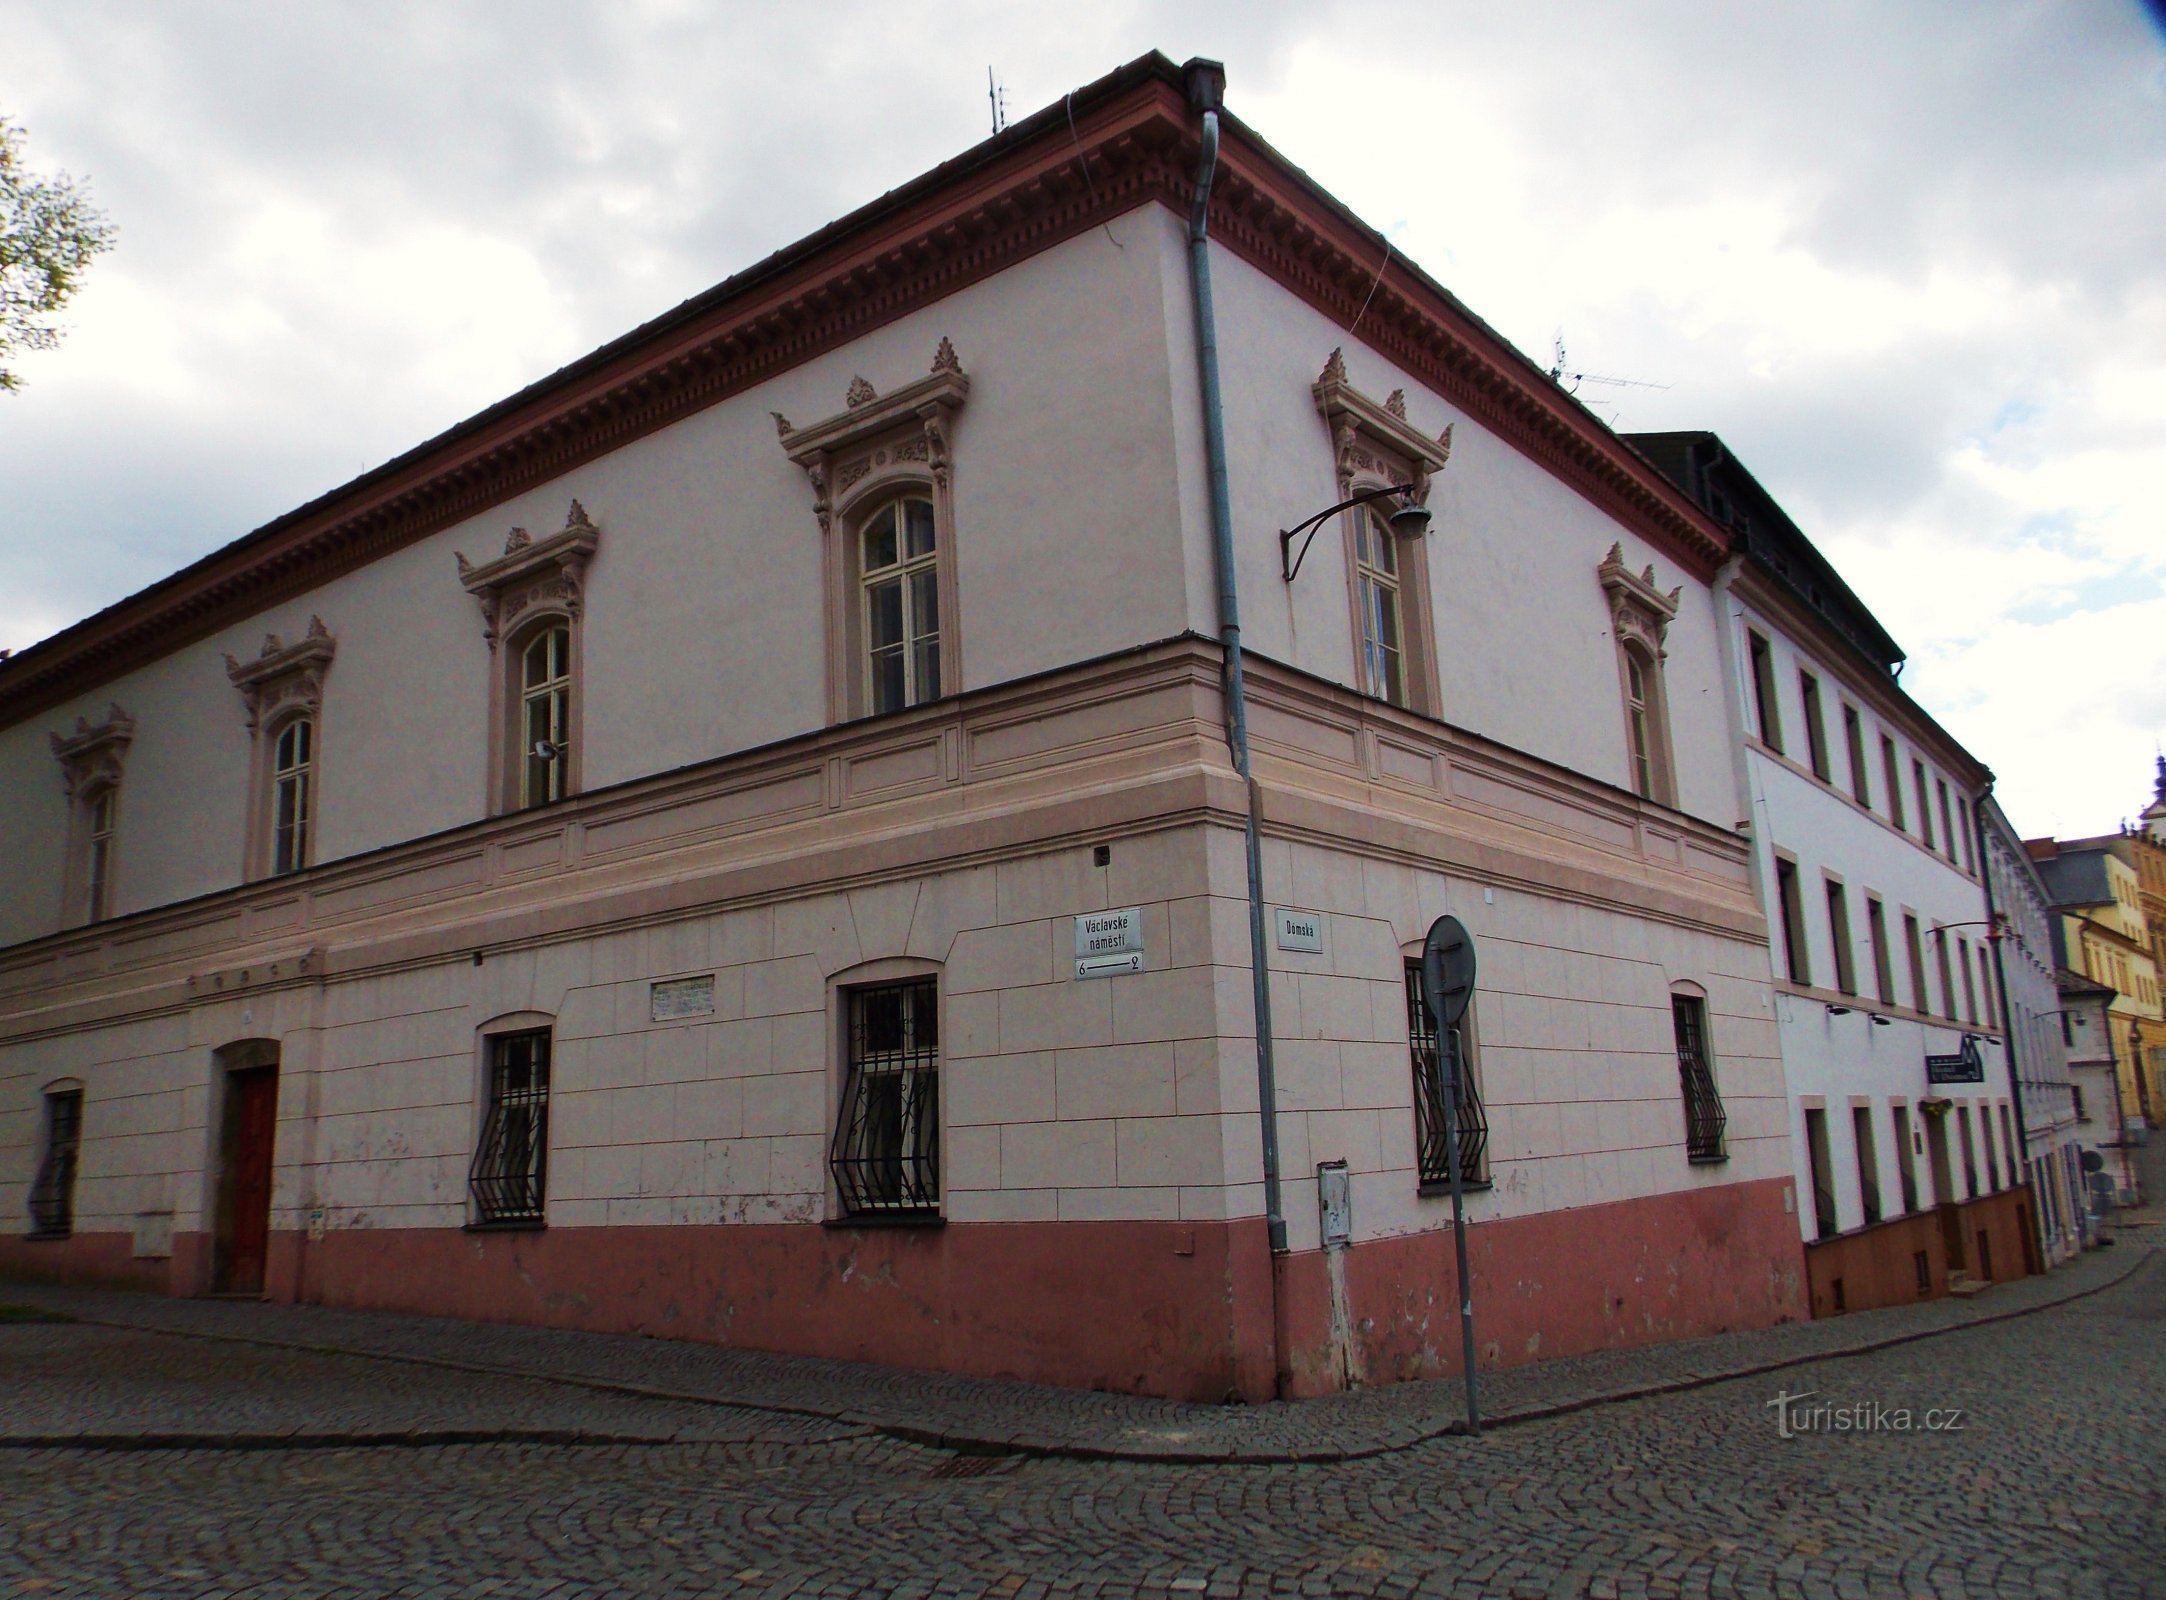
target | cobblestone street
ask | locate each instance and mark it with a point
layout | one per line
(206, 1466)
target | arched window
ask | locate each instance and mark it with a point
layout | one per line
(545, 714)
(1640, 616)
(1638, 716)
(899, 575)
(292, 775)
(1376, 569)
(101, 819)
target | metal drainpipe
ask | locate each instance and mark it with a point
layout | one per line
(1206, 87)
(1994, 937)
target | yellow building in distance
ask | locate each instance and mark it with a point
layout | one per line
(2111, 893)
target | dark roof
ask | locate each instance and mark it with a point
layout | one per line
(2073, 983)
(1700, 464)
(2077, 878)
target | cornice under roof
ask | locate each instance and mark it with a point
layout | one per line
(1121, 142)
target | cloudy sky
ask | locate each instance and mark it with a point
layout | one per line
(1908, 257)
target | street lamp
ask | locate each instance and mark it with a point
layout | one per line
(1409, 521)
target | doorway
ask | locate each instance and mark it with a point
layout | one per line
(1935, 1119)
(246, 1145)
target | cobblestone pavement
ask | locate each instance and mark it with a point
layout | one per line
(2051, 1482)
(968, 1412)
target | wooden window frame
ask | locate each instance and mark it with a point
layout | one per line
(903, 573)
(1790, 907)
(1760, 655)
(1838, 903)
(290, 844)
(1865, 1147)
(1816, 726)
(541, 782)
(1861, 778)
(1876, 933)
(1921, 998)
(1891, 761)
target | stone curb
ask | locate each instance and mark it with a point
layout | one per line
(303, 1439)
(962, 1440)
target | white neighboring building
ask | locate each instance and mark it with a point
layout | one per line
(1859, 810)
(2030, 999)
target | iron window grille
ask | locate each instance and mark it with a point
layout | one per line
(52, 1194)
(1704, 1117)
(1432, 1100)
(886, 1152)
(510, 1172)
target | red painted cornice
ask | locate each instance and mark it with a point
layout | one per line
(1124, 141)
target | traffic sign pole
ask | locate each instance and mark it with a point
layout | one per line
(1447, 988)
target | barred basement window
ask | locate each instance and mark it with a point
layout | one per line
(510, 1170)
(1704, 1117)
(886, 1154)
(1432, 1099)
(52, 1195)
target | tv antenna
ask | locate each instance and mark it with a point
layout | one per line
(997, 93)
(1561, 374)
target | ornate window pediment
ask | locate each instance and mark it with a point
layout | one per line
(1373, 439)
(877, 435)
(92, 756)
(1374, 446)
(285, 677)
(880, 468)
(533, 575)
(1640, 613)
(533, 598)
(91, 759)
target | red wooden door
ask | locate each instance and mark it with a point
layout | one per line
(252, 1126)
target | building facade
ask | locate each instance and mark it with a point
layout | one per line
(2098, 889)
(1859, 810)
(2020, 941)
(742, 840)
(2102, 1116)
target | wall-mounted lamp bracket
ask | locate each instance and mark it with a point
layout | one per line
(1409, 521)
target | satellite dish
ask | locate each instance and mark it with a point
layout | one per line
(1447, 971)
(2093, 1161)
(545, 751)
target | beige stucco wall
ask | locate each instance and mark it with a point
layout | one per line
(1062, 1099)
(704, 602)
(1523, 640)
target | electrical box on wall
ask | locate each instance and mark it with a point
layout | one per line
(1335, 1200)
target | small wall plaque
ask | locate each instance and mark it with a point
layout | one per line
(1300, 930)
(1109, 933)
(681, 997)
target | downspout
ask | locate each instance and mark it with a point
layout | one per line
(1994, 938)
(1206, 89)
